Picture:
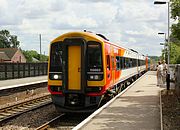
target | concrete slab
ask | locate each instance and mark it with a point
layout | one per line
(137, 109)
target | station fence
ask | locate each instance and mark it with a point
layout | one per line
(22, 70)
(177, 79)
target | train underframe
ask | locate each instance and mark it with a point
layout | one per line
(81, 103)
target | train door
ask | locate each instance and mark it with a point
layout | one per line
(74, 65)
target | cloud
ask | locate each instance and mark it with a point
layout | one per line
(129, 23)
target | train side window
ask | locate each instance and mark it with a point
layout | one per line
(134, 64)
(112, 60)
(123, 63)
(108, 62)
(117, 63)
(126, 63)
(130, 62)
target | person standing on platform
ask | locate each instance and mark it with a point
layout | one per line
(164, 72)
(159, 74)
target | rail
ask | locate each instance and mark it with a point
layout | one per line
(19, 108)
(47, 124)
(22, 70)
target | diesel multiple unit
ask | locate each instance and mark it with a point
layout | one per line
(85, 68)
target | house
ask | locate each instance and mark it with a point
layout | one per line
(11, 55)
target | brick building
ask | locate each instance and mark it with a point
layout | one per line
(12, 55)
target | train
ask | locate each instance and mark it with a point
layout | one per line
(85, 68)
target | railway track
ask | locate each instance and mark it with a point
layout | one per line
(22, 107)
(63, 122)
(47, 124)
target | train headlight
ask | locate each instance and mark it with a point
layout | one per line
(95, 77)
(56, 76)
(91, 77)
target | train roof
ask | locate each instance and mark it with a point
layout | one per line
(98, 36)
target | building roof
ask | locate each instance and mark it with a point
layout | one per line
(9, 51)
(3, 56)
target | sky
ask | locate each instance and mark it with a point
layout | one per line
(131, 23)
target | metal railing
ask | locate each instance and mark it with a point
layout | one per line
(22, 70)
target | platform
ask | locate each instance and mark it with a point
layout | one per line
(4, 84)
(136, 109)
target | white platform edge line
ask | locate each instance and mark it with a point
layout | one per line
(19, 85)
(104, 106)
(161, 117)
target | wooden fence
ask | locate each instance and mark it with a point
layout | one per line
(22, 70)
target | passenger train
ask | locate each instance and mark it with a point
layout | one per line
(85, 68)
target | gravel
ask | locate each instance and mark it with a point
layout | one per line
(21, 96)
(31, 119)
(171, 110)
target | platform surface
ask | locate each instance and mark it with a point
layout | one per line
(22, 81)
(136, 109)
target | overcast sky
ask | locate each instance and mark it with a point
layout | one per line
(131, 23)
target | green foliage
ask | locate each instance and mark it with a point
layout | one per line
(175, 9)
(175, 33)
(154, 58)
(28, 56)
(7, 40)
(33, 56)
(175, 53)
(175, 14)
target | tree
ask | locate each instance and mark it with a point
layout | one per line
(175, 54)
(175, 9)
(175, 14)
(7, 40)
(175, 33)
(33, 54)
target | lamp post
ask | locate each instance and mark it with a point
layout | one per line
(164, 49)
(164, 44)
(168, 41)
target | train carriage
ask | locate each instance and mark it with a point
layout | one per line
(84, 68)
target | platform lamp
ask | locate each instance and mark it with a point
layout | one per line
(165, 40)
(168, 40)
(164, 50)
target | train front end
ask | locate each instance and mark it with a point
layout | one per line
(75, 72)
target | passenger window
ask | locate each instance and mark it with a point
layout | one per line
(108, 62)
(112, 59)
(130, 63)
(126, 63)
(117, 63)
(123, 62)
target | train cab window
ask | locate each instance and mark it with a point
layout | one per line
(94, 61)
(118, 67)
(108, 62)
(55, 70)
(94, 56)
(56, 57)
